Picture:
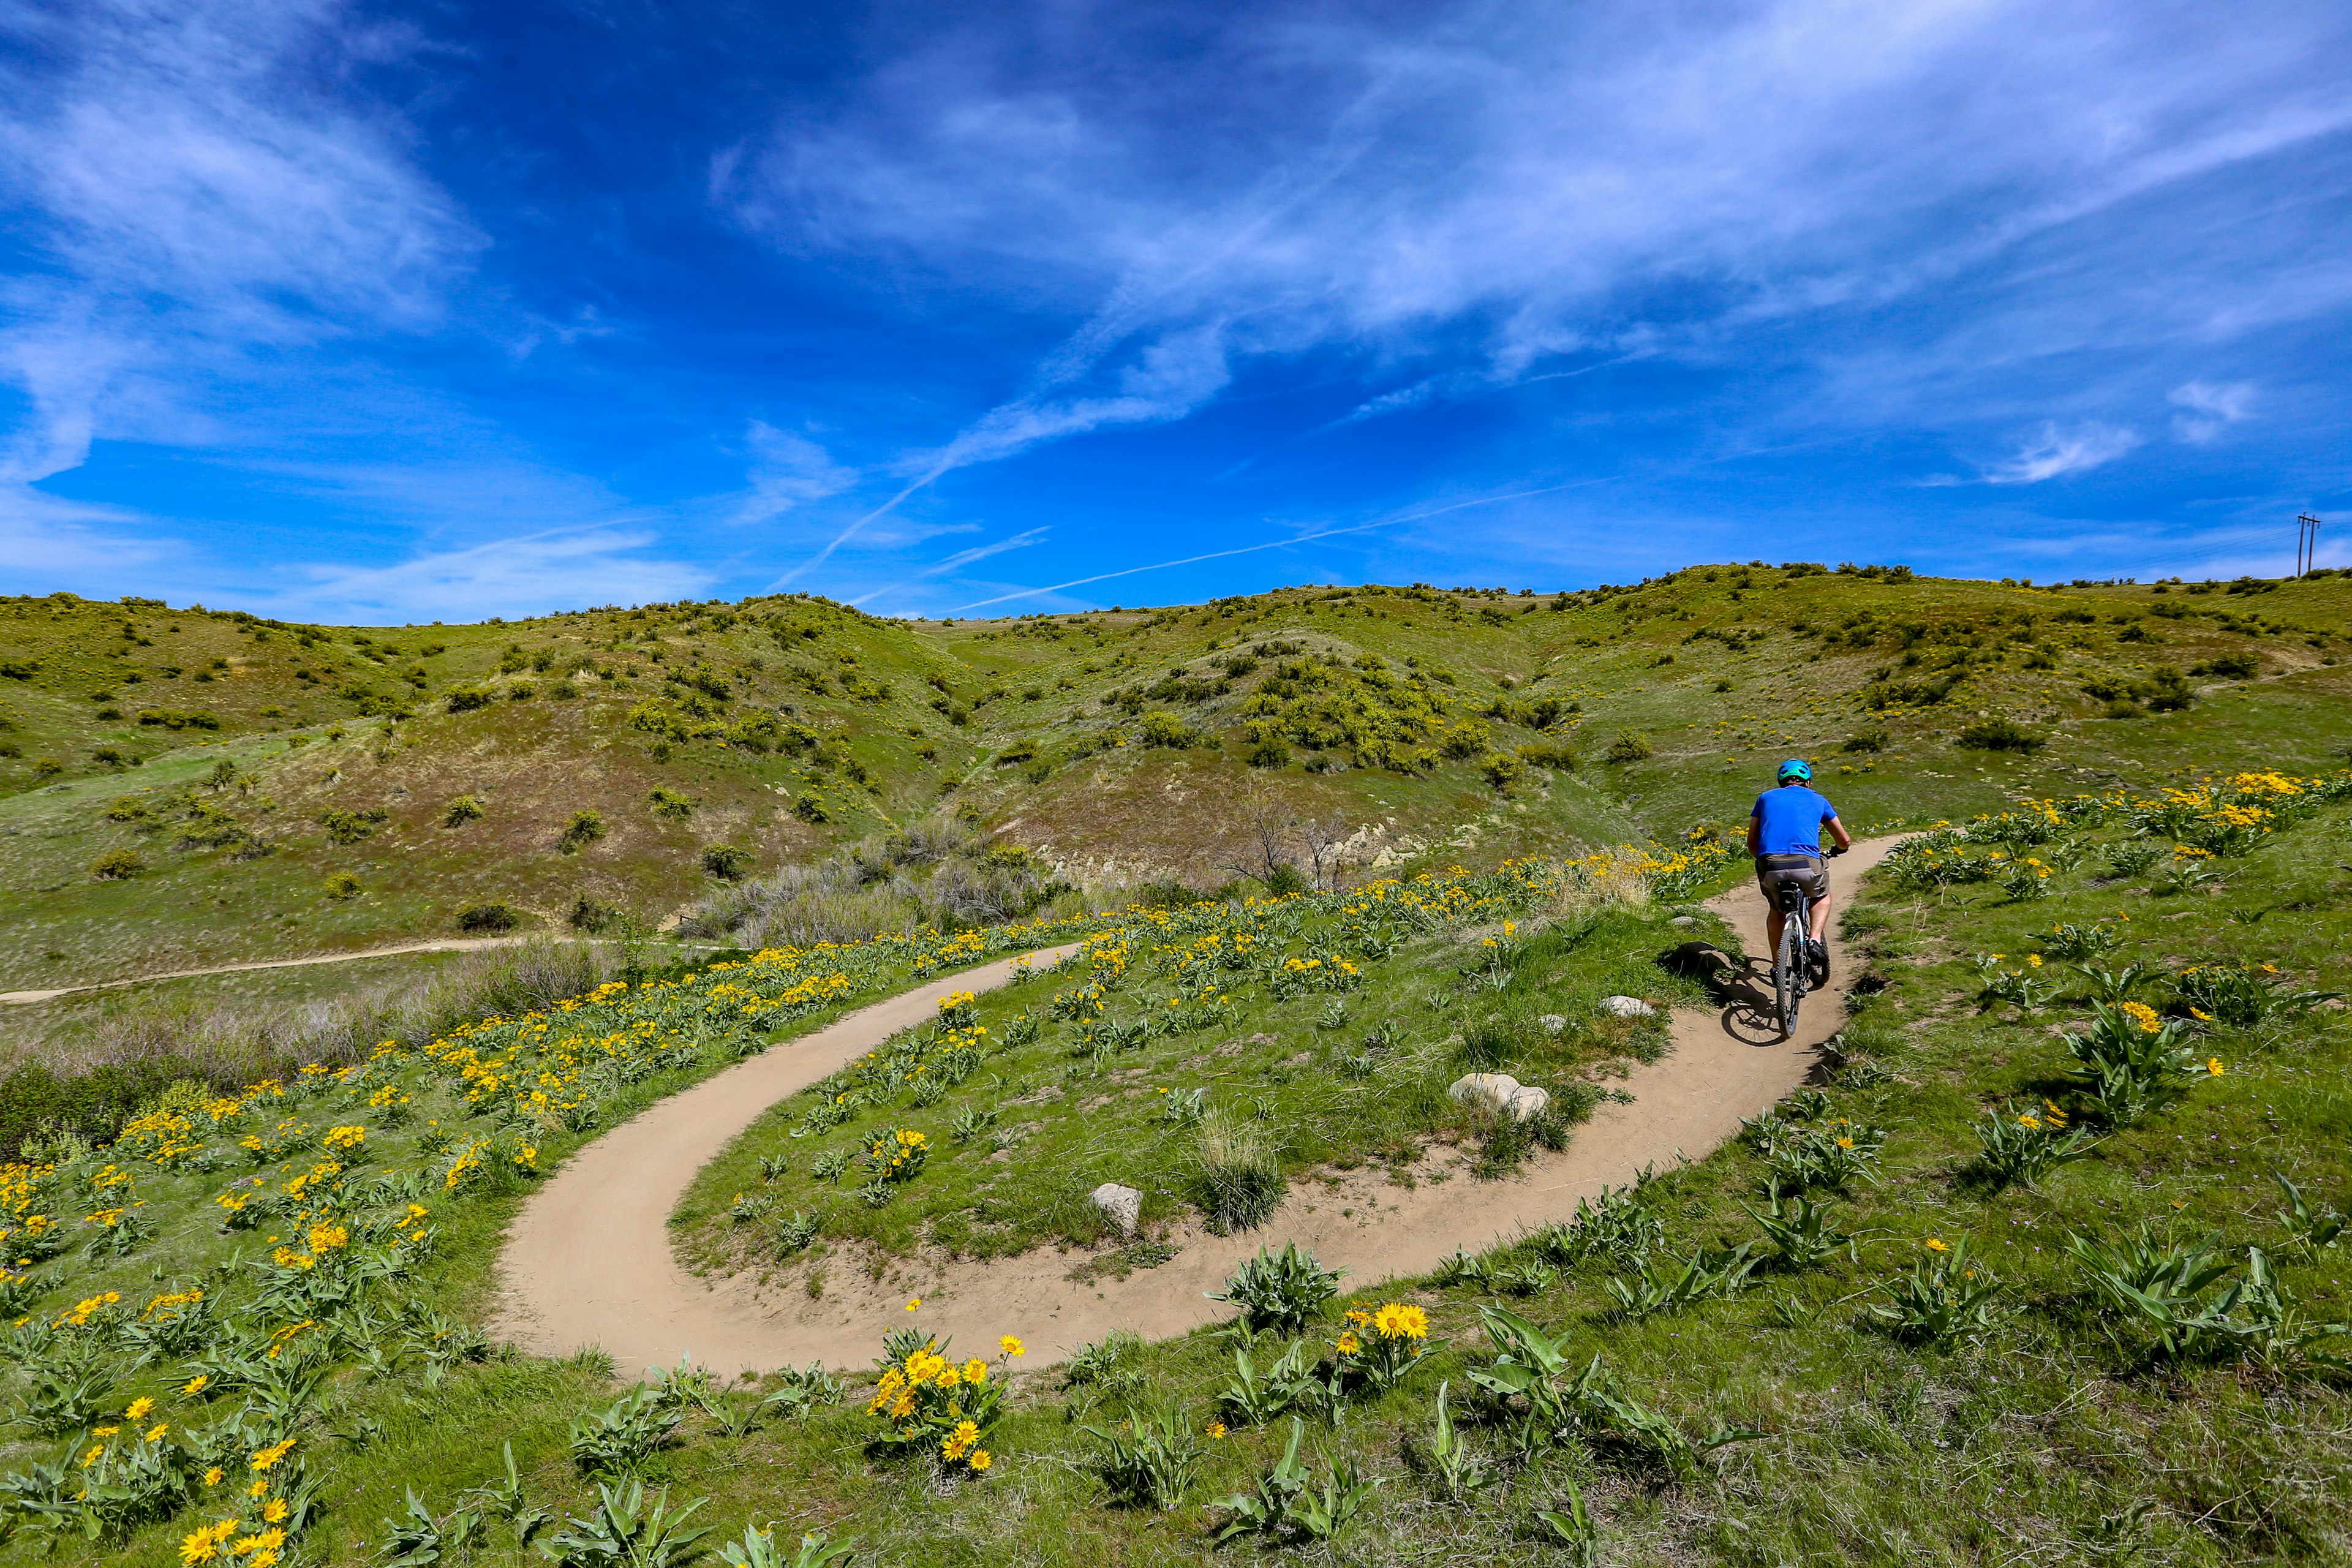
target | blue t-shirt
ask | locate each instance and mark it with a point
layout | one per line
(1791, 818)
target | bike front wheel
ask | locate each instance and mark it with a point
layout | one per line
(1787, 976)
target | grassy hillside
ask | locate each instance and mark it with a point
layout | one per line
(2021, 1269)
(187, 787)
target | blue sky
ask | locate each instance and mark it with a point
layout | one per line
(406, 313)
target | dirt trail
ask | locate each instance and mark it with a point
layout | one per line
(588, 1260)
(439, 944)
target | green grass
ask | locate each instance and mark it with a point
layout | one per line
(1039, 726)
(1333, 1078)
(2060, 1424)
(2061, 1431)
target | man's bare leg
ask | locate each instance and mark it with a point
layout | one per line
(1821, 921)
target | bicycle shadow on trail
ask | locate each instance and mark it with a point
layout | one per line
(1742, 987)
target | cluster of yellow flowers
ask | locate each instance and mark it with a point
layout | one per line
(79, 1315)
(942, 1408)
(2048, 1118)
(160, 1137)
(264, 1543)
(897, 1154)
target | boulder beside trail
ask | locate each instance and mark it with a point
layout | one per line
(1552, 1024)
(1526, 1101)
(1122, 1207)
(1628, 1007)
(1501, 1093)
(1491, 1090)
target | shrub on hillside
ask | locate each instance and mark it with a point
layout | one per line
(1628, 748)
(584, 828)
(1501, 768)
(670, 804)
(116, 864)
(2001, 735)
(466, 698)
(728, 862)
(462, 810)
(592, 915)
(2230, 667)
(1161, 728)
(488, 919)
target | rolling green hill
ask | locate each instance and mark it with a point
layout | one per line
(187, 787)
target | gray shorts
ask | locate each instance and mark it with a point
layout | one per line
(1809, 872)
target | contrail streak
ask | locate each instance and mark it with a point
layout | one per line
(1278, 543)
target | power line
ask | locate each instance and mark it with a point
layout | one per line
(2306, 544)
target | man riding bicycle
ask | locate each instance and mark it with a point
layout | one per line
(1784, 835)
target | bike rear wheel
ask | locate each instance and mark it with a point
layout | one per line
(1788, 972)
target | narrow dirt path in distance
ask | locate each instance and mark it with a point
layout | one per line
(588, 1260)
(435, 944)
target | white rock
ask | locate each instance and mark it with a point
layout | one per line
(1492, 1089)
(1525, 1102)
(1627, 1006)
(1122, 1207)
(1684, 921)
(1552, 1024)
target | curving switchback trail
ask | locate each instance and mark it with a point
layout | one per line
(588, 1260)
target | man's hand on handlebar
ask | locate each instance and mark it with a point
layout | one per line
(1835, 850)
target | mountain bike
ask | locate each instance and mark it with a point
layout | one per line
(1792, 966)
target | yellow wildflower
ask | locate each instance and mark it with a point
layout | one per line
(1011, 1346)
(139, 1409)
(2214, 1066)
(1397, 1321)
(1936, 1244)
(980, 1459)
(272, 1454)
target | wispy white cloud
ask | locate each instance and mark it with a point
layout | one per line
(787, 471)
(527, 574)
(2053, 453)
(197, 207)
(58, 543)
(1499, 188)
(2210, 408)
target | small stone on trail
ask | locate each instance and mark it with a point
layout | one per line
(1627, 1007)
(1684, 921)
(1122, 1207)
(1552, 1024)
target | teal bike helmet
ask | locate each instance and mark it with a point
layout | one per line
(1796, 768)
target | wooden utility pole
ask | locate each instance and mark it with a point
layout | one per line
(2306, 544)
